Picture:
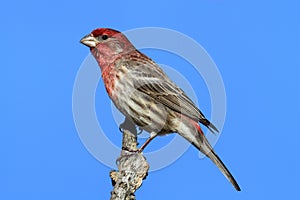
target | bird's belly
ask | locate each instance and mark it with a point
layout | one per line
(147, 113)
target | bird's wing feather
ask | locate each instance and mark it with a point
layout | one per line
(169, 95)
(155, 83)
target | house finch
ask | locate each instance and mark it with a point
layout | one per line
(144, 93)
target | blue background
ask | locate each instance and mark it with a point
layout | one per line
(255, 46)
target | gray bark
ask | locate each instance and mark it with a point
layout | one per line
(132, 166)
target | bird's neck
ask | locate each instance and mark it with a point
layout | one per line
(106, 57)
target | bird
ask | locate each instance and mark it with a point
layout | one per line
(144, 93)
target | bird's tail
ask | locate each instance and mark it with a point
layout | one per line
(204, 146)
(215, 158)
(192, 132)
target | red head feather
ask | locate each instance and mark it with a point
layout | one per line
(104, 31)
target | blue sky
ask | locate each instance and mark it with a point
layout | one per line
(255, 46)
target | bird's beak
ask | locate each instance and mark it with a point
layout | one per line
(89, 40)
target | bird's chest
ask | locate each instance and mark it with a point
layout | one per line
(109, 76)
(118, 83)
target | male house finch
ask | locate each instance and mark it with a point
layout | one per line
(145, 94)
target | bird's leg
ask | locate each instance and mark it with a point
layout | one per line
(152, 136)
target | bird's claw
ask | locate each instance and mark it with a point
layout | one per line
(127, 155)
(131, 150)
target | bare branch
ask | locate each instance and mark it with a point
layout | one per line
(132, 166)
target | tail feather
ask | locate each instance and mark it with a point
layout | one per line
(191, 131)
(204, 146)
(215, 158)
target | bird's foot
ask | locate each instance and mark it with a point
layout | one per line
(130, 150)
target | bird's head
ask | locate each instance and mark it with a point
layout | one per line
(106, 45)
(107, 41)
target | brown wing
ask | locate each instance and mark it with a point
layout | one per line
(151, 80)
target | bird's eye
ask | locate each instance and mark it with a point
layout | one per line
(104, 37)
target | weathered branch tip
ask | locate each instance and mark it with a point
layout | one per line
(132, 166)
